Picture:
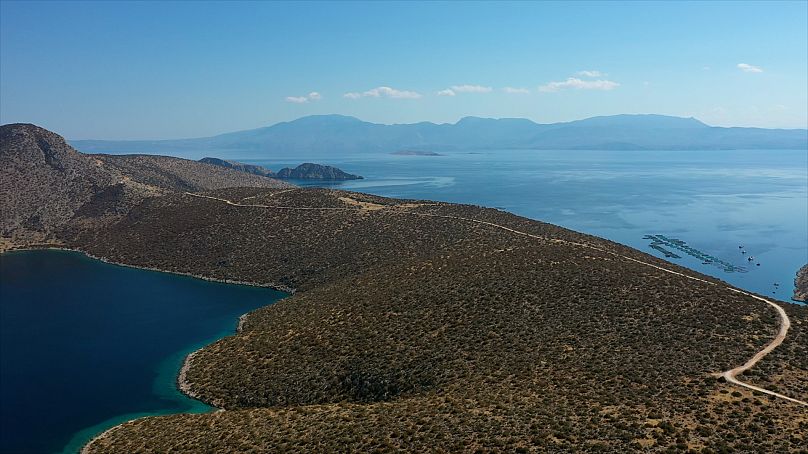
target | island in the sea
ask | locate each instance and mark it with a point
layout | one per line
(415, 153)
(310, 171)
(417, 325)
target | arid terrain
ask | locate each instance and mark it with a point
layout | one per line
(417, 325)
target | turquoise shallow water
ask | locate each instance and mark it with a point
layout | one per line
(713, 200)
(85, 345)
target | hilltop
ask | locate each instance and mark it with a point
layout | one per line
(330, 134)
(421, 326)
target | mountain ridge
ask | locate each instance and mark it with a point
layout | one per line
(335, 133)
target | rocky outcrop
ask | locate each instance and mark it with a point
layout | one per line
(801, 285)
(309, 171)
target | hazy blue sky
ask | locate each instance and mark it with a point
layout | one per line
(167, 70)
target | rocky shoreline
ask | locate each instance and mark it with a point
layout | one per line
(801, 285)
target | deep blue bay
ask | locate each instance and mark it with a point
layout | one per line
(714, 200)
(85, 345)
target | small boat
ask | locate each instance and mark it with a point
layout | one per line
(743, 252)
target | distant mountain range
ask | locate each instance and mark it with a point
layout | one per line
(328, 134)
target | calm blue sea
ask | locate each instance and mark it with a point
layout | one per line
(85, 345)
(715, 201)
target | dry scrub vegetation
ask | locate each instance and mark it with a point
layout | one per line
(432, 333)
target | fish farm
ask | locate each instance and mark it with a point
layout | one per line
(666, 246)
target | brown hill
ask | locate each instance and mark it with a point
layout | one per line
(45, 184)
(179, 174)
(44, 181)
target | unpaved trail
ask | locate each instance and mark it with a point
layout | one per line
(729, 376)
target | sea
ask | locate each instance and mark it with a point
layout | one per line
(737, 215)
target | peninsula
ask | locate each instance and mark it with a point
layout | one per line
(418, 325)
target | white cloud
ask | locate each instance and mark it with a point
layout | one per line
(747, 68)
(578, 84)
(313, 96)
(297, 99)
(470, 89)
(590, 73)
(386, 92)
(447, 92)
(516, 90)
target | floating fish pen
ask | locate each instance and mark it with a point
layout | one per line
(663, 244)
(668, 254)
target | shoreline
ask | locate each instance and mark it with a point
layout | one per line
(58, 247)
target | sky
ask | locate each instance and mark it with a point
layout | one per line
(157, 70)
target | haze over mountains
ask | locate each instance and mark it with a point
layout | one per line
(328, 134)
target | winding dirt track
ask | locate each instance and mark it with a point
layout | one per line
(729, 376)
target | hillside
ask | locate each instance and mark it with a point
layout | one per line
(331, 134)
(424, 326)
(416, 326)
(45, 184)
(44, 181)
(184, 175)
